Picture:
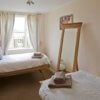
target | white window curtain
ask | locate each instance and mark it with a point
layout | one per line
(41, 32)
(6, 29)
(32, 28)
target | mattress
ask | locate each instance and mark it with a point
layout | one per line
(85, 87)
(15, 62)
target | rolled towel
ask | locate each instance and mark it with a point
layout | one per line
(59, 77)
(37, 55)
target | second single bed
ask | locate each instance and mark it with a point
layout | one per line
(85, 86)
(22, 63)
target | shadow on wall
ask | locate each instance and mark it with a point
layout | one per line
(89, 53)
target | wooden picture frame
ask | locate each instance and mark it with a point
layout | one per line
(66, 19)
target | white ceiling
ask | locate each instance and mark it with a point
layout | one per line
(39, 6)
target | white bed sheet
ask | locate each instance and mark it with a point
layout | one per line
(21, 61)
(85, 87)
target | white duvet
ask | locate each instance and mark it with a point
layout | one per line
(21, 61)
(85, 87)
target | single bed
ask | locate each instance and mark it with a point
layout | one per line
(22, 63)
(85, 87)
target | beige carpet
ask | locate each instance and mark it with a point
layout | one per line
(21, 87)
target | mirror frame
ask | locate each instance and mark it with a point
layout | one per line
(70, 26)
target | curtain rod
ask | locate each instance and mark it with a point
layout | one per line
(22, 13)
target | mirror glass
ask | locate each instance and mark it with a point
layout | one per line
(68, 49)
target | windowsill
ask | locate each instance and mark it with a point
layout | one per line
(20, 51)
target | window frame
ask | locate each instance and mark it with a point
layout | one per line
(19, 50)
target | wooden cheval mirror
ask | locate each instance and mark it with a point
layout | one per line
(69, 45)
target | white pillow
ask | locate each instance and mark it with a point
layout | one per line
(1, 55)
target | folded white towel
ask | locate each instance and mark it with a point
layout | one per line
(60, 75)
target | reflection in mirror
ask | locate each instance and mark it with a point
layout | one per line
(69, 45)
(68, 49)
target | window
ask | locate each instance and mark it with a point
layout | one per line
(20, 37)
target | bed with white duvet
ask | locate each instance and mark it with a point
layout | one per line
(85, 86)
(21, 63)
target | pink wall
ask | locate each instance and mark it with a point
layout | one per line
(87, 11)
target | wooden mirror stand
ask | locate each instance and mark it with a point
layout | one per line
(70, 26)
